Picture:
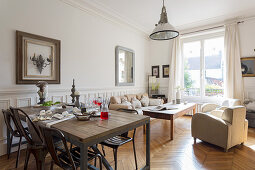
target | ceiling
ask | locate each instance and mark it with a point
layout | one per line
(182, 14)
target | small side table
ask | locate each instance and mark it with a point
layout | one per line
(250, 116)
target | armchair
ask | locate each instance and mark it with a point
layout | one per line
(229, 130)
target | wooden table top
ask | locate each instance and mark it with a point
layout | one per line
(173, 109)
(87, 131)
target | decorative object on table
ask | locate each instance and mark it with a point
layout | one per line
(124, 66)
(248, 66)
(165, 71)
(42, 91)
(38, 58)
(73, 91)
(155, 71)
(164, 30)
(178, 94)
(77, 97)
(83, 117)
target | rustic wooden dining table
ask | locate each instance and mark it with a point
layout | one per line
(86, 134)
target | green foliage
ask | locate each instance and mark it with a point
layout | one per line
(49, 103)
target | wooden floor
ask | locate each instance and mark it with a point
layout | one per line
(180, 153)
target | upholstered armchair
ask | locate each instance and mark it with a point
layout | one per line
(226, 131)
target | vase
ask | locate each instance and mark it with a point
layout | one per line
(178, 97)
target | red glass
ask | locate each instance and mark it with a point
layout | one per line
(104, 115)
(99, 103)
(95, 102)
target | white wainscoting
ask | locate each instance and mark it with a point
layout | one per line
(21, 98)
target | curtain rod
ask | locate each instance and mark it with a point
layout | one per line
(211, 28)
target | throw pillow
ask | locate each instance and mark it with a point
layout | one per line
(145, 101)
(130, 96)
(136, 103)
(125, 101)
(115, 100)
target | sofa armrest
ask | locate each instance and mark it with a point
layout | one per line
(211, 129)
(119, 106)
(208, 107)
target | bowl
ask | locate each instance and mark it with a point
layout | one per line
(83, 117)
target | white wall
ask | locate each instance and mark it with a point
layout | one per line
(247, 43)
(160, 54)
(87, 51)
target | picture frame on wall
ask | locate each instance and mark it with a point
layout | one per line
(155, 71)
(37, 59)
(248, 66)
(165, 71)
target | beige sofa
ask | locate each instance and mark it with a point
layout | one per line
(116, 103)
(226, 127)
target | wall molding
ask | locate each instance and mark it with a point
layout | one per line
(97, 9)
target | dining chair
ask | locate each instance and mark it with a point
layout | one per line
(117, 141)
(8, 117)
(63, 156)
(35, 142)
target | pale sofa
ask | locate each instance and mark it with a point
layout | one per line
(226, 127)
(115, 102)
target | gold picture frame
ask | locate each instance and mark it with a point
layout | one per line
(248, 66)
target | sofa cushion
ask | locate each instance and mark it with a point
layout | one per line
(119, 106)
(130, 96)
(145, 101)
(136, 103)
(141, 95)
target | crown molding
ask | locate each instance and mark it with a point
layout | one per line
(96, 9)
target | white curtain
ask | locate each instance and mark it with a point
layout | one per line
(233, 75)
(175, 69)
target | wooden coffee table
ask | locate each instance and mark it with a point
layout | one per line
(180, 110)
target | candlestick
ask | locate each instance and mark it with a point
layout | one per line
(73, 90)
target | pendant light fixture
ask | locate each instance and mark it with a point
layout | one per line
(164, 30)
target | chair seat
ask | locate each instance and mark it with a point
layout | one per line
(116, 141)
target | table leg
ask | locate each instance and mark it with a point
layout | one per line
(147, 147)
(172, 129)
(84, 157)
(194, 110)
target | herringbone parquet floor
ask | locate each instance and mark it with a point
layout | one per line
(180, 153)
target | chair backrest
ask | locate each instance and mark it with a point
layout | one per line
(7, 119)
(34, 132)
(48, 135)
(231, 102)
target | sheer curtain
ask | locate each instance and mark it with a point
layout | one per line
(233, 77)
(175, 69)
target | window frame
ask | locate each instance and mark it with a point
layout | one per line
(201, 38)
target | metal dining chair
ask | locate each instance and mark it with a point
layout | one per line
(35, 143)
(8, 117)
(117, 141)
(63, 156)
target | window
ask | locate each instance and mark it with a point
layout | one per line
(203, 65)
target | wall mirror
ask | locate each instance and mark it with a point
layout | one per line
(124, 66)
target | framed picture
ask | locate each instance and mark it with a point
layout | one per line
(155, 71)
(248, 66)
(38, 58)
(165, 71)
